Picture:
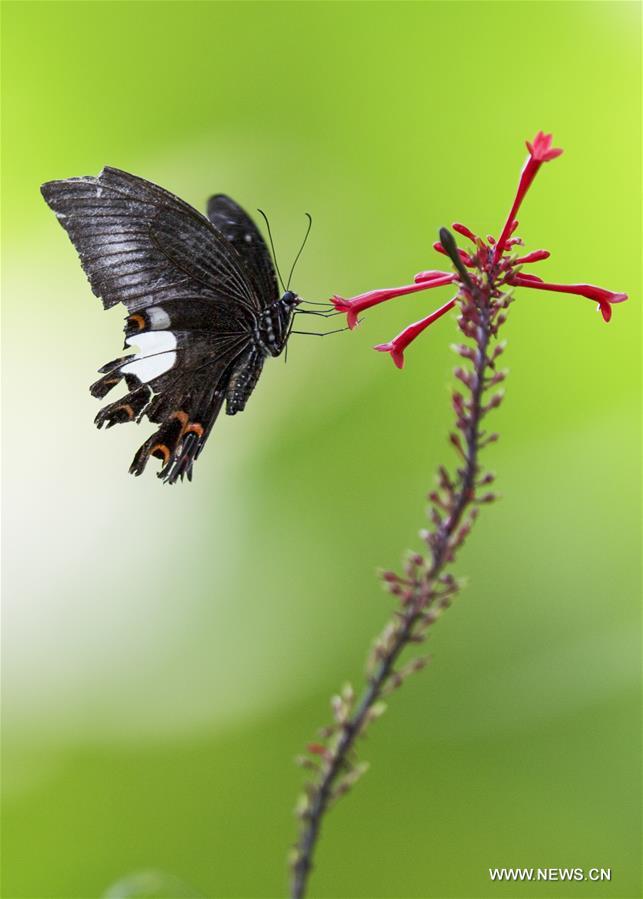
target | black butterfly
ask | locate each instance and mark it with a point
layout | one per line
(203, 303)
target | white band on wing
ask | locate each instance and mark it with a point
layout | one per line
(157, 355)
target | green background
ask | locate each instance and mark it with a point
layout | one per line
(169, 650)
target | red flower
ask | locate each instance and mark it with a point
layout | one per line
(353, 306)
(534, 256)
(541, 149)
(397, 346)
(429, 275)
(604, 298)
(466, 232)
(483, 272)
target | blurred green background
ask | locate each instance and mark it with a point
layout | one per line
(167, 651)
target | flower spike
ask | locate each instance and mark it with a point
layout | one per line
(484, 279)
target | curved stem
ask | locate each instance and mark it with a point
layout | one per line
(405, 626)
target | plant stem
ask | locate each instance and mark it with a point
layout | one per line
(415, 610)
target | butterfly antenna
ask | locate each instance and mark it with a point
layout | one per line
(301, 248)
(272, 247)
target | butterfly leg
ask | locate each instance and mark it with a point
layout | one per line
(320, 333)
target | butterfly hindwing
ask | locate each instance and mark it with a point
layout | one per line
(185, 414)
(196, 412)
(180, 382)
(176, 337)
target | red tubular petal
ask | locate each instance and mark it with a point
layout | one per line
(437, 246)
(351, 319)
(529, 172)
(534, 256)
(540, 150)
(434, 275)
(464, 231)
(353, 306)
(396, 355)
(397, 346)
(340, 304)
(605, 298)
(523, 276)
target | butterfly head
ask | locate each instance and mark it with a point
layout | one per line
(289, 300)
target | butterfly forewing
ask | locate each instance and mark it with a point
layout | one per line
(118, 223)
(193, 288)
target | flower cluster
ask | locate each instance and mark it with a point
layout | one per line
(492, 265)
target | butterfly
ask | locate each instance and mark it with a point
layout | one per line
(204, 308)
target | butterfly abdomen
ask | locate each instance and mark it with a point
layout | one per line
(243, 380)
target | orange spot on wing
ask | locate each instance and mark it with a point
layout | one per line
(128, 409)
(161, 451)
(138, 320)
(187, 426)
